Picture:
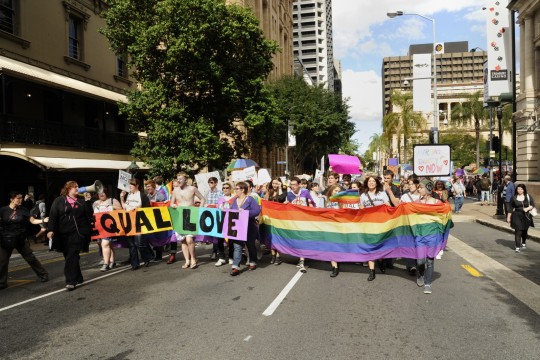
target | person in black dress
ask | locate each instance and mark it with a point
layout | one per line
(519, 217)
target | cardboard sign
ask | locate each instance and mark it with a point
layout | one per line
(344, 164)
(202, 181)
(263, 177)
(123, 180)
(432, 160)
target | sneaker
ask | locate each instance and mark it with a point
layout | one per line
(427, 289)
(523, 246)
(231, 261)
(420, 280)
(302, 268)
(44, 278)
(112, 266)
(70, 287)
(412, 270)
(300, 264)
(221, 262)
(101, 262)
(213, 257)
(278, 260)
(517, 250)
(235, 272)
(105, 267)
(172, 259)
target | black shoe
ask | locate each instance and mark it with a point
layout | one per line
(382, 267)
(214, 256)
(371, 276)
(147, 264)
(44, 278)
(273, 260)
(135, 268)
(278, 260)
(411, 270)
(335, 272)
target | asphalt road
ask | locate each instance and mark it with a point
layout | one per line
(168, 313)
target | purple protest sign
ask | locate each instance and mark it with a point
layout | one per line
(345, 164)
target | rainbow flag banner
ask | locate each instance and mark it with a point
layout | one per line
(346, 197)
(410, 230)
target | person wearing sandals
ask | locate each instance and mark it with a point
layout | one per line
(276, 193)
(426, 266)
(106, 204)
(184, 195)
(69, 230)
(245, 202)
(13, 221)
(373, 195)
(519, 216)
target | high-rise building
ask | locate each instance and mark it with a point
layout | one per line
(313, 44)
(457, 66)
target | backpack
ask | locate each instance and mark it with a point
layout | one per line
(484, 184)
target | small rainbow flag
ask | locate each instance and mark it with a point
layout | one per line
(409, 230)
(346, 197)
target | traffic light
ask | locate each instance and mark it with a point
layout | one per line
(496, 145)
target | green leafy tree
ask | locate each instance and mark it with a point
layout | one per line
(318, 118)
(378, 145)
(201, 66)
(404, 122)
(462, 147)
(471, 109)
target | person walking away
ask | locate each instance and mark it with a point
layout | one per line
(485, 186)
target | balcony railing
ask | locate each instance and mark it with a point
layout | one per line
(29, 131)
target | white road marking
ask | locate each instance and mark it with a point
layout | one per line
(248, 338)
(520, 287)
(277, 301)
(63, 289)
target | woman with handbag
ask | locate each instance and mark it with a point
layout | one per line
(70, 229)
(519, 216)
(13, 221)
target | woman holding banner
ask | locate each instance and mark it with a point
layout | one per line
(244, 202)
(106, 204)
(373, 195)
(69, 226)
(276, 193)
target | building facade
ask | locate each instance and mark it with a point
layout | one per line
(59, 88)
(313, 39)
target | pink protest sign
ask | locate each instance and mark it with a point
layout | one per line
(345, 164)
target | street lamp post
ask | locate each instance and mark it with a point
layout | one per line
(500, 210)
(491, 103)
(287, 151)
(435, 104)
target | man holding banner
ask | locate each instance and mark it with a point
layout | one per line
(184, 195)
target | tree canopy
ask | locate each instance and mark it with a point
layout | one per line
(318, 118)
(201, 67)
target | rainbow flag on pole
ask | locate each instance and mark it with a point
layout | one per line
(347, 235)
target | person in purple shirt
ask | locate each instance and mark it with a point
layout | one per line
(299, 196)
(244, 202)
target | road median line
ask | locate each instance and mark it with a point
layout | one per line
(277, 301)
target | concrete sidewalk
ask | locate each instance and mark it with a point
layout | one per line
(485, 215)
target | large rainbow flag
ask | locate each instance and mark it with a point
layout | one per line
(347, 235)
(346, 197)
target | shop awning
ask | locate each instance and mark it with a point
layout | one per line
(83, 164)
(15, 67)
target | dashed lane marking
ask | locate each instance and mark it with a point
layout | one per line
(472, 270)
(277, 301)
(520, 287)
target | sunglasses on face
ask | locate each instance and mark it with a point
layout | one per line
(226, 187)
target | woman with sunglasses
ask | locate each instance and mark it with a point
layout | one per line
(13, 223)
(224, 202)
(244, 202)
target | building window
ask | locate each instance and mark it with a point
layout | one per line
(7, 16)
(121, 66)
(75, 38)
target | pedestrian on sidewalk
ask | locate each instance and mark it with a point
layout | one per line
(520, 218)
(485, 186)
(459, 193)
(13, 235)
(508, 193)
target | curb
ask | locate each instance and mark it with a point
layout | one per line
(506, 228)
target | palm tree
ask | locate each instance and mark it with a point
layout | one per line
(402, 123)
(472, 108)
(378, 144)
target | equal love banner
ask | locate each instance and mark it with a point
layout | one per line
(410, 230)
(226, 223)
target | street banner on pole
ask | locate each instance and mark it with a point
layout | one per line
(422, 86)
(499, 46)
